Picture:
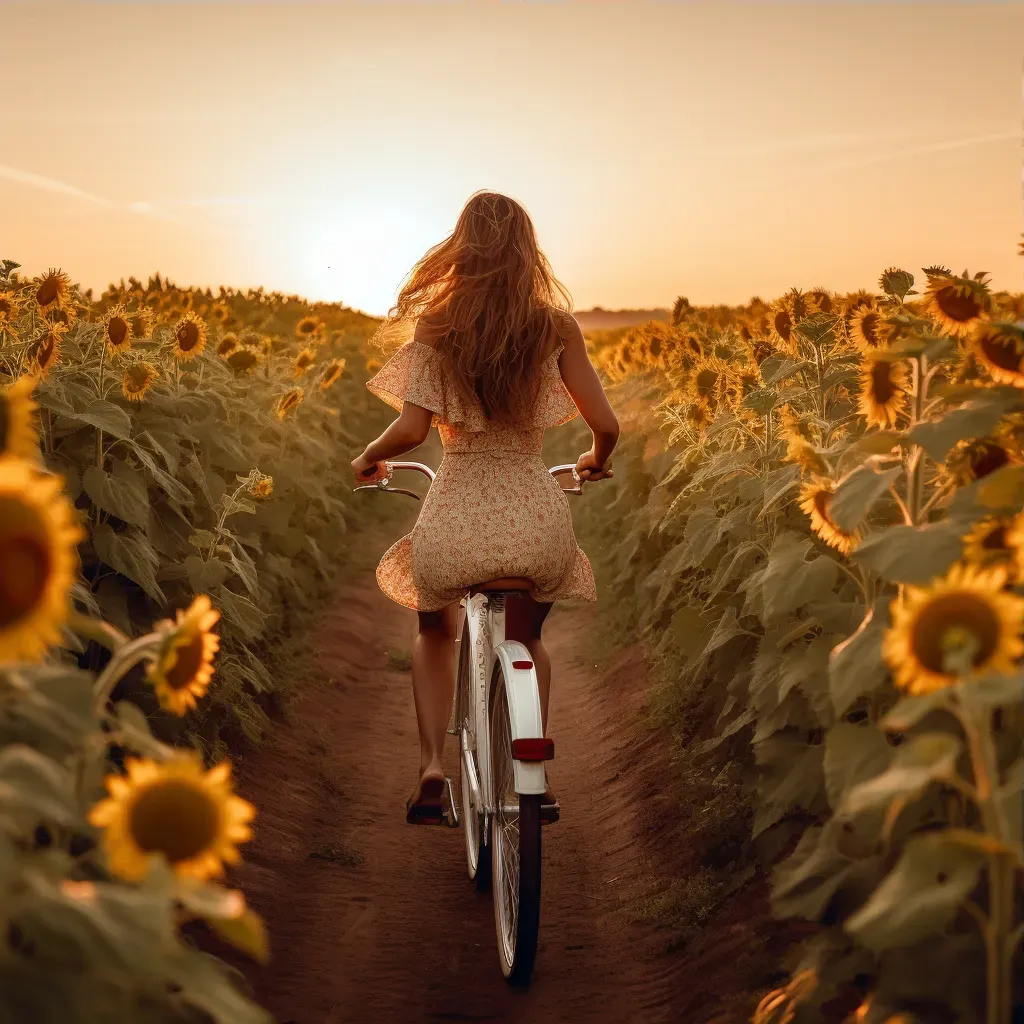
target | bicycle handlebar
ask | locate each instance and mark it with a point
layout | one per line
(384, 483)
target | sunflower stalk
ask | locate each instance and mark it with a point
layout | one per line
(102, 632)
(916, 457)
(998, 930)
(123, 660)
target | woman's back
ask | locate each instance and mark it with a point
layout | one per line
(417, 373)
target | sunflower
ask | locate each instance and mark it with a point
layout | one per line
(117, 329)
(815, 498)
(252, 338)
(262, 486)
(972, 460)
(228, 344)
(957, 302)
(698, 415)
(137, 380)
(52, 290)
(141, 322)
(45, 353)
(373, 365)
(966, 607)
(303, 361)
(869, 328)
(781, 322)
(308, 327)
(182, 670)
(38, 560)
(10, 308)
(1000, 348)
(806, 456)
(19, 435)
(897, 283)
(174, 809)
(820, 301)
(244, 359)
(883, 391)
(289, 402)
(189, 336)
(220, 313)
(334, 370)
(997, 540)
(711, 379)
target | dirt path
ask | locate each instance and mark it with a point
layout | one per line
(375, 920)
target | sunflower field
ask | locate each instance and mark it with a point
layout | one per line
(171, 495)
(817, 527)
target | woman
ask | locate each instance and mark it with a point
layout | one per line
(493, 363)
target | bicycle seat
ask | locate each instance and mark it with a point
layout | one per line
(505, 583)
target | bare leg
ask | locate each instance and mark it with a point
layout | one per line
(433, 686)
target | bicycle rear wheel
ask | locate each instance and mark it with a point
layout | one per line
(515, 850)
(478, 861)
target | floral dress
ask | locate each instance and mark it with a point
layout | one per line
(494, 510)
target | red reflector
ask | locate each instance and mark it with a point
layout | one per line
(522, 664)
(533, 748)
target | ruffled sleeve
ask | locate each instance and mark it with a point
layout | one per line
(554, 403)
(416, 374)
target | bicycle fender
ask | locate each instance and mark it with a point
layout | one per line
(524, 709)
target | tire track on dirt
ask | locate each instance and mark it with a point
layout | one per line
(375, 920)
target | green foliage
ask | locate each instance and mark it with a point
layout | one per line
(867, 805)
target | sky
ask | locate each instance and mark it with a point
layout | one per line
(714, 150)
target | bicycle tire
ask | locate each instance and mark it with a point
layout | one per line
(515, 882)
(478, 859)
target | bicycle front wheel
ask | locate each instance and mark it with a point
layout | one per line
(515, 850)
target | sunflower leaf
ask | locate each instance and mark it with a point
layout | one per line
(920, 761)
(853, 753)
(857, 493)
(856, 666)
(976, 419)
(920, 895)
(132, 555)
(123, 495)
(909, 554)
(106, 416)
(203, 576)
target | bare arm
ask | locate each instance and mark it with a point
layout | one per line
(408, 431)
(584, 385)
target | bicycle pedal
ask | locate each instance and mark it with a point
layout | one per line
(451, 813)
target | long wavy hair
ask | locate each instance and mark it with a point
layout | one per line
(490, 295)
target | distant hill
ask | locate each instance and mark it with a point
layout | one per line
(598, 319)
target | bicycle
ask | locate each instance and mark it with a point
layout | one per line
(496, 713)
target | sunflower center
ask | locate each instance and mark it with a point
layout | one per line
(882, 387)
(137, 377)
(706, 382)
(783, 325)
(45, 351)
(117, 331)
(960, 307)
(175, 818)
(995, 539)
(954, 622)
(47, 292)
(1001, 352)
(188, 336)
(822, 502)
(187, 664)
(869, 327)
(986, 458)
(24, 571)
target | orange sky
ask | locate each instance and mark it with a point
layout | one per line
(713, 150)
